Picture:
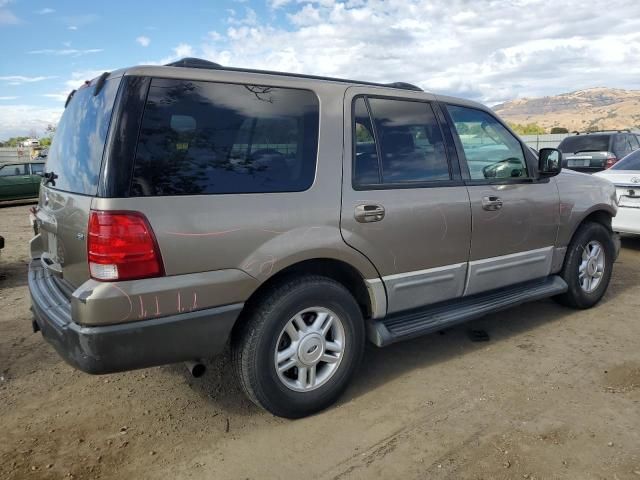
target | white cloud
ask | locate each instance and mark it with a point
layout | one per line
(7, 98)
(18, 120)
(181, 51)
(144, 41)
(490, 50)
(72, 27)
(74, 52)
(45, 11)
(20, 79)
(75, 80)
(7, 17)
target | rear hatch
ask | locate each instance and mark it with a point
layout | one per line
(72, 174)
(586, 153)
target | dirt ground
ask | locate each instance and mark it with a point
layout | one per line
(555, 393)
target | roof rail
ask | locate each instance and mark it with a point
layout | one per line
(191, 62)
(623, 130)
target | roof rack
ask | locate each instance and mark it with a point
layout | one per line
(191, 62)
(623, 130)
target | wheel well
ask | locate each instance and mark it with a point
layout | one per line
(337, 270)
(599, 216)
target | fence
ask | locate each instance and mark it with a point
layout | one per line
(548, 140)
(13, 154)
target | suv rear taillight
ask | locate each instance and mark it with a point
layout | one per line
(610, 162)
(122, 246)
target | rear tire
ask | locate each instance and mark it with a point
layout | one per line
(587, 266)
(296, 351)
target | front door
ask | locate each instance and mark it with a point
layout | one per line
(15, 181)
(515, 216)
(404, 204)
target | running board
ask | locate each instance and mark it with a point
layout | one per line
(414, 323)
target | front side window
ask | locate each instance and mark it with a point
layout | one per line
(14, 170)
(216, 138)
(492, 152)
(407, 146)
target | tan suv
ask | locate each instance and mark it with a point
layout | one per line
(189, 206)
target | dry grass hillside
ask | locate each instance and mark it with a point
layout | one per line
(591, 109)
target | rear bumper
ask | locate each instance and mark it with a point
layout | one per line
(627, 220)
(125, 346)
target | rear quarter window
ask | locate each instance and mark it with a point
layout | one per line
(215, 138)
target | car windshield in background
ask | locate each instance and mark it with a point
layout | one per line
(630, 162)
(75, 155)
(585, 143)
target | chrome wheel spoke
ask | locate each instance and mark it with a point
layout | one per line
(327, 326)
(312, 375)
(294, 335)
(286, 354)
(329, 358)
(319, 320)
(287, 365)
(302, 376)
(333, 347)
(299, 323)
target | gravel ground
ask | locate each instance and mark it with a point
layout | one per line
(555, 393)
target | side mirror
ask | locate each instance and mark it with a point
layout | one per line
(549, 162)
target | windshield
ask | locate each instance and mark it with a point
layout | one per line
(75, 155)
(630, 162)
(585, 143)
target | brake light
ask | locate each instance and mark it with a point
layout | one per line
(610, 162)
(122, 246)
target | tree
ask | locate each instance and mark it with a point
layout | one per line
(528, 129)
(559, 130)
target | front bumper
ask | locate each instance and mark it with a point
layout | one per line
(125, 346)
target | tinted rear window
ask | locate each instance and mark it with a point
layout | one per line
(585, 143)
(207, 138)
(75, 155)
(630, 162)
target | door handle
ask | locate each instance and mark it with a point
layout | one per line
(369, 213)
(491, 203)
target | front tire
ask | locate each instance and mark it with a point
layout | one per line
(588, 266)
(299, 346)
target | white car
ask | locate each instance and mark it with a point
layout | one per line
(625, 175)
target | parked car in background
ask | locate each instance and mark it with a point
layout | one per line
(594, 152)
(625, 175)
(189, 206)
(20, 180)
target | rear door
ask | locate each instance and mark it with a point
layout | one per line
(74, 160)
(404, 205)
(15, 181)
(515, 217)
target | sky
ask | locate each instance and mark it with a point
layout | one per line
(486, 50)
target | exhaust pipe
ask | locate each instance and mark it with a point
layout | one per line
(196, 369)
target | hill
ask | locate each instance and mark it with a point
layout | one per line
(591, 109)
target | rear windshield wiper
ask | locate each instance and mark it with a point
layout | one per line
(586, 151)
(49, 177)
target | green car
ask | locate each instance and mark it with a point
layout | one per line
(20, 180)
